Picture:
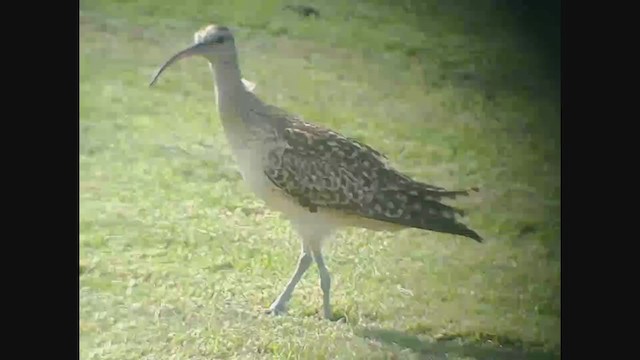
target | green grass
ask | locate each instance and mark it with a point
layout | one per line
(178, 260)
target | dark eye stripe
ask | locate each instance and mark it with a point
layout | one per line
(219, 40)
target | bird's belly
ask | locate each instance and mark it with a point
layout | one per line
(276, 200)
(258, 183)
(251, 168)
(252, 171)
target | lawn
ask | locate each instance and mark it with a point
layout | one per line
(178, 260)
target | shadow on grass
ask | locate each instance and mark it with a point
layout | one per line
(471, 55)
(445, 347)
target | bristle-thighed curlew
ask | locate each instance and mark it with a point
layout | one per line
(319, 179)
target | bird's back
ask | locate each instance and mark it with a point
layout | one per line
(320, 172)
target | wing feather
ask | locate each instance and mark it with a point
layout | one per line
(320, 168)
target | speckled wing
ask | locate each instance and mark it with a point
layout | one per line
(323, 169)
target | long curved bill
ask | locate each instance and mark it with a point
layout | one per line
(190, 51)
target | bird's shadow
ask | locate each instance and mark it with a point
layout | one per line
(444, 349)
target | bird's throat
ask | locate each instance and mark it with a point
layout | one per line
(231, 99)
(228, 78)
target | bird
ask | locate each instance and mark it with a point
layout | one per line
(320, 180)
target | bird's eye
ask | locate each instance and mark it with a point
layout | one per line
(219, 40)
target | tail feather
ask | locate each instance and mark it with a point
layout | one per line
(439, 194)
(420, 207)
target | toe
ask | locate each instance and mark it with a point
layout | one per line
(276, 309)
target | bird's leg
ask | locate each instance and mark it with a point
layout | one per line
(304, 261)
(325, 283)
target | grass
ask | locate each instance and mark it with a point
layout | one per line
(178, 260)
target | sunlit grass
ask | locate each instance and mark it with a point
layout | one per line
(179, 260)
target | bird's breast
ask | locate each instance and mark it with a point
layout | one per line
(249, 157)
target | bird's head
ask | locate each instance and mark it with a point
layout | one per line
(213, 42)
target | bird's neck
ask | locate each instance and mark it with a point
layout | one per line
(228, 79)
(231, 95)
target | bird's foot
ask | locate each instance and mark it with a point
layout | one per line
(277, 309)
